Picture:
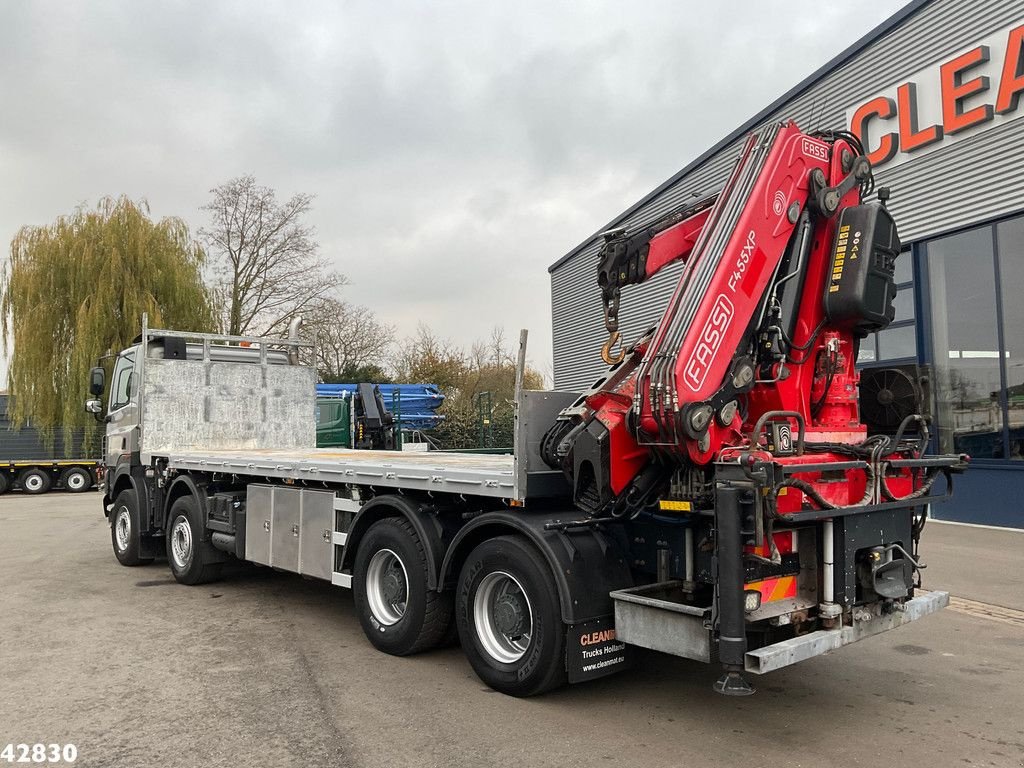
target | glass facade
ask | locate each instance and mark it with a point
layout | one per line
(1010, 254)
(976, 339)
(960, 322)
(968, 288)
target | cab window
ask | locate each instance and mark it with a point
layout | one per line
(120, 392)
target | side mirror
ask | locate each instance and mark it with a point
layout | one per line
(97, 379)
(94, 407)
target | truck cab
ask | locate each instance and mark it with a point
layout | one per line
(121, 438)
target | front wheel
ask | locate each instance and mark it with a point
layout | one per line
(193, 560)
(398, 613)
(509, 618)
(125, 530)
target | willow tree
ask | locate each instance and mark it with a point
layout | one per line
(75, 291)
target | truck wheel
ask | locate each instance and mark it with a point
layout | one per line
(125, 525)
(4, 483)
(193, 560)
(509, 618)
(399, 614)
(35, 481)
(76, 480)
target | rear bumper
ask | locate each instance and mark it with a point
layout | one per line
(787, 652)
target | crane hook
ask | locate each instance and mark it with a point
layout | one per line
(606, 351)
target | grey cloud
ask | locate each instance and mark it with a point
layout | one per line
(456, 149)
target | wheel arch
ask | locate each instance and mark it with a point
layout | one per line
(124, 480)
(586, 564)
(183, 485)
(428, 528)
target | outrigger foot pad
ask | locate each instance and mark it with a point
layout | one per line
(733, 684)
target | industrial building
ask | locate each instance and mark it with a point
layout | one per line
(937, 95)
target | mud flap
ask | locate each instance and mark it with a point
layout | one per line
(152, 546)
(592, 650)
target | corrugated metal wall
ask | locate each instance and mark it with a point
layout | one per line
(972, 180)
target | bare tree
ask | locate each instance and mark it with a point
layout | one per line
(429, 359)
(492, 352)
(350, 342)
(265, 259)
(489, 367)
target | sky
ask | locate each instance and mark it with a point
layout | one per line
(455, 149)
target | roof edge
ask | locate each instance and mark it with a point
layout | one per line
(833, 64)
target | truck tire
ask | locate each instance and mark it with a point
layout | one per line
(125, 525)
(76, 480)
(509, 618)
(398, 613)
(192, 558)
(5, 483)
(35, 481)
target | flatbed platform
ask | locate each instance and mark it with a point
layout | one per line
(476, 474)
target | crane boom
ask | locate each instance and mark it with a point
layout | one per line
(785, 270)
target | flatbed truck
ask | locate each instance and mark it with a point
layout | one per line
(753, 523)
(36, 476)
(36, 461)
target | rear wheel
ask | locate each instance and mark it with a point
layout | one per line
(35, 481)
(5, 483)
(76, 480)
(193, 560)
(125, 528)
(509, 618)
(398, 613)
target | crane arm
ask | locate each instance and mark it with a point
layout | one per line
(629, 258)
(754, 325)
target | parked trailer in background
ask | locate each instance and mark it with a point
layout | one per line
(35, 461)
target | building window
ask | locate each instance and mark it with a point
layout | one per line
(899, 340)
(1010, 252)
(966, 376)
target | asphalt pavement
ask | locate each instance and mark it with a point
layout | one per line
(269, 669)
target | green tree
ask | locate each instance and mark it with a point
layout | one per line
(76, 290)
(370, 373)
(427, 359)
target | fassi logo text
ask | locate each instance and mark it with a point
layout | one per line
(710, 340)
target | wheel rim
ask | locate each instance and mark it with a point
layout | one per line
(122, 528)
(387, 587)
(503, 617)
(181, 543)
(76, 481)
(33, 482)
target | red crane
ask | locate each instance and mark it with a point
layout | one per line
(742, 401)
(785, 271)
